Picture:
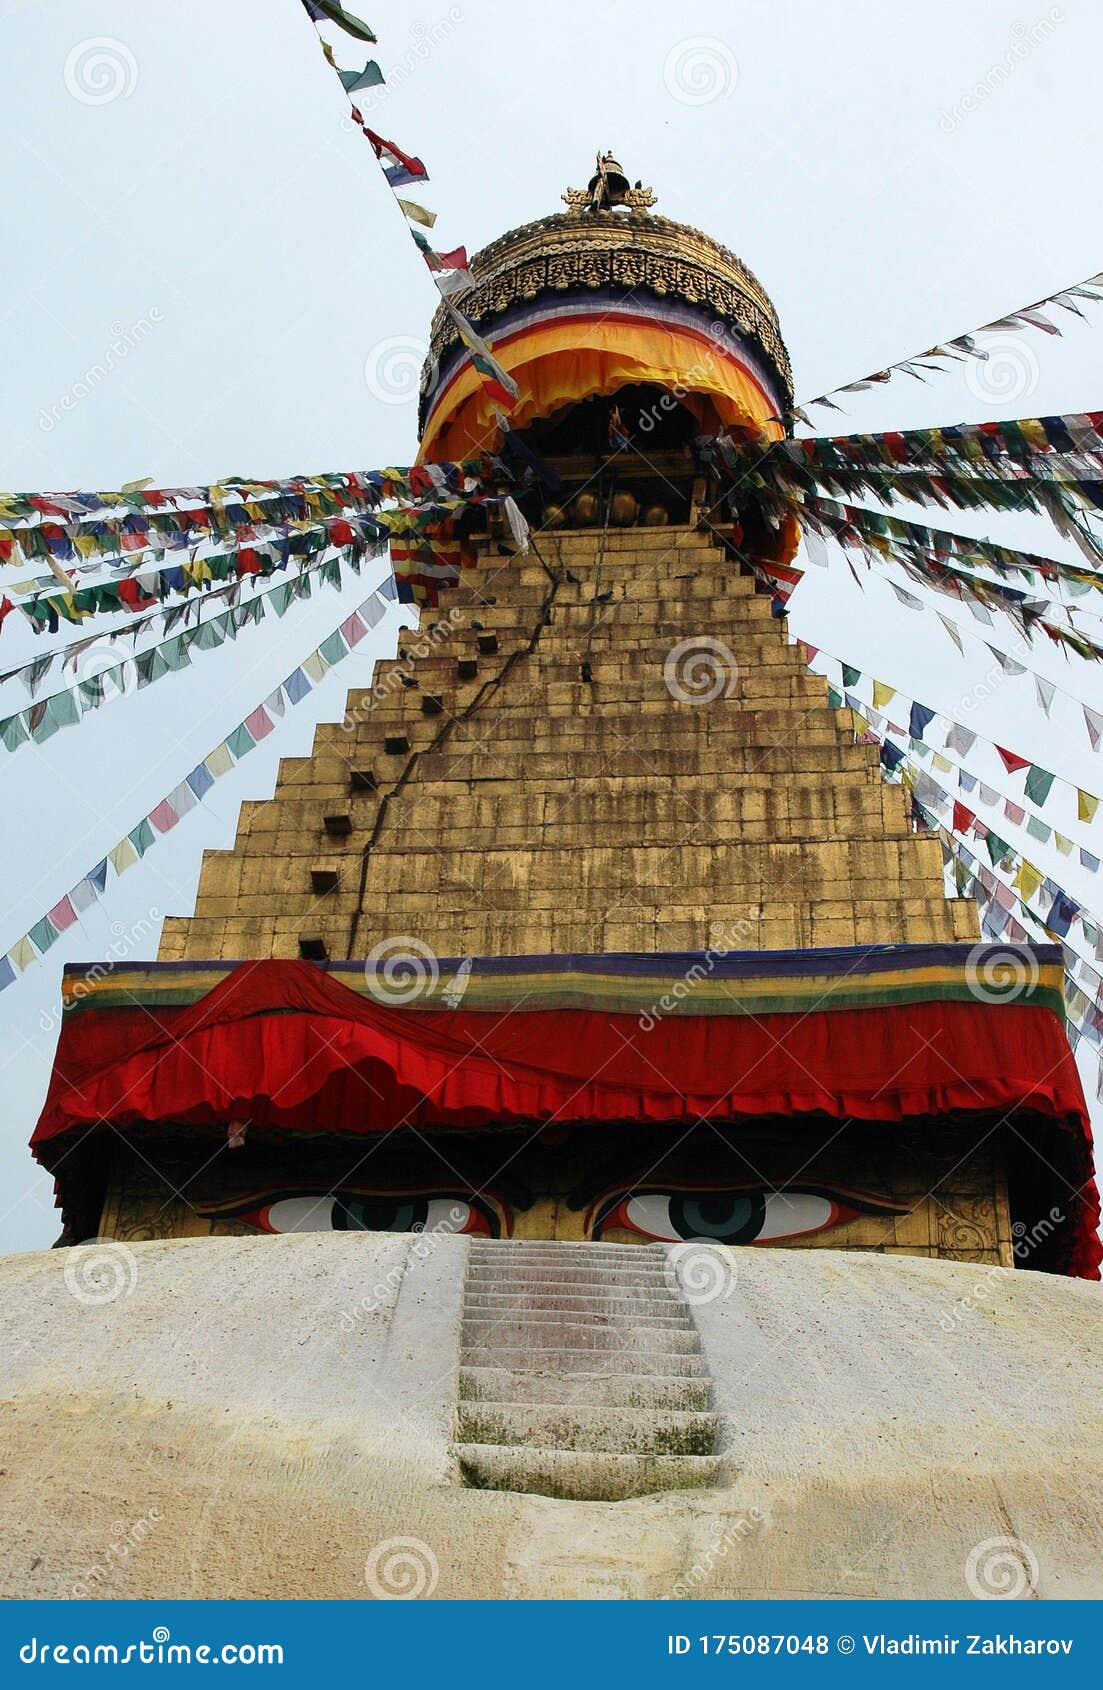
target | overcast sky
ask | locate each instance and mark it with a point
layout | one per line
(181, 183)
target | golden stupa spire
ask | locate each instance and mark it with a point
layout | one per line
(608, 188)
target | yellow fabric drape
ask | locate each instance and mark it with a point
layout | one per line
(563, 361)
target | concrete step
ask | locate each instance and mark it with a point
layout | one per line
(495, 1249)
(554, 1248)
(626, 1303)
(639, 1391)
(516, 1275)
(600, 1314)
(585, 1426)
(572, 1360)
(621, 1336)
(582, 1474)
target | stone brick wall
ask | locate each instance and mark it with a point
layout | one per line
(504, 804)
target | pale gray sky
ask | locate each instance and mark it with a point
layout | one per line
(894, 174)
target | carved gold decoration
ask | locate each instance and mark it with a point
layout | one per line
(608, 187)
(624, 250)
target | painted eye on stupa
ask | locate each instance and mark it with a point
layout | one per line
(346, 1212)
(749, 1215)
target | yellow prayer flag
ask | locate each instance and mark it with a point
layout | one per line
(219, 761)
(22, 953)
(122, 856)
(417, 213)
(1028, 880)
(882, 695)
(1086, 805)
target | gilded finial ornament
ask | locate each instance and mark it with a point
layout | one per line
(607, 189)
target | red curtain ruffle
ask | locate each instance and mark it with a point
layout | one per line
(283, 1046)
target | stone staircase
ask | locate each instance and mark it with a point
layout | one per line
(581, 1374)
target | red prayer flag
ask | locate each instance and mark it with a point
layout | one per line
(62, 915)
(1011, 762)
(963, 818)
(164, 816)
(259, 723)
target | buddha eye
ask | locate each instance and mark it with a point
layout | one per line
(750, 1215)
(344, 1211)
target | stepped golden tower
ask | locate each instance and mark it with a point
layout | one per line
(576, 1147)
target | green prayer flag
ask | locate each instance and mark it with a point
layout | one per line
(60, 712)
(1037, 829)
(141, 837)
(997, 847)
(240, 741)
(280, 597)
(91, 691)
(347, 21)
(370, 77)
(334, 647)
(834, 699)
(174, 653)
(13, 732)
(1038, 783)
(208, 636)
(42, 934)
(851, 676)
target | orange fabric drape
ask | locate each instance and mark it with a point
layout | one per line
(562, 361)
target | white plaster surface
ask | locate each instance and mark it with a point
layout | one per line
(262, 1417)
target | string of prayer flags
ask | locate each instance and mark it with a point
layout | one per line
(41, 720)
(501, 387)
(1039, 781)
(964, 347)
(1061, 910)
(190, 792)
(319, 9)
(181, 518)
(398, 167)
(353, 80)
(449, 269)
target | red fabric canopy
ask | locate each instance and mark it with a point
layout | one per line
(281, 1045)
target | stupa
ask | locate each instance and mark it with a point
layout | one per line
(593, 925)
